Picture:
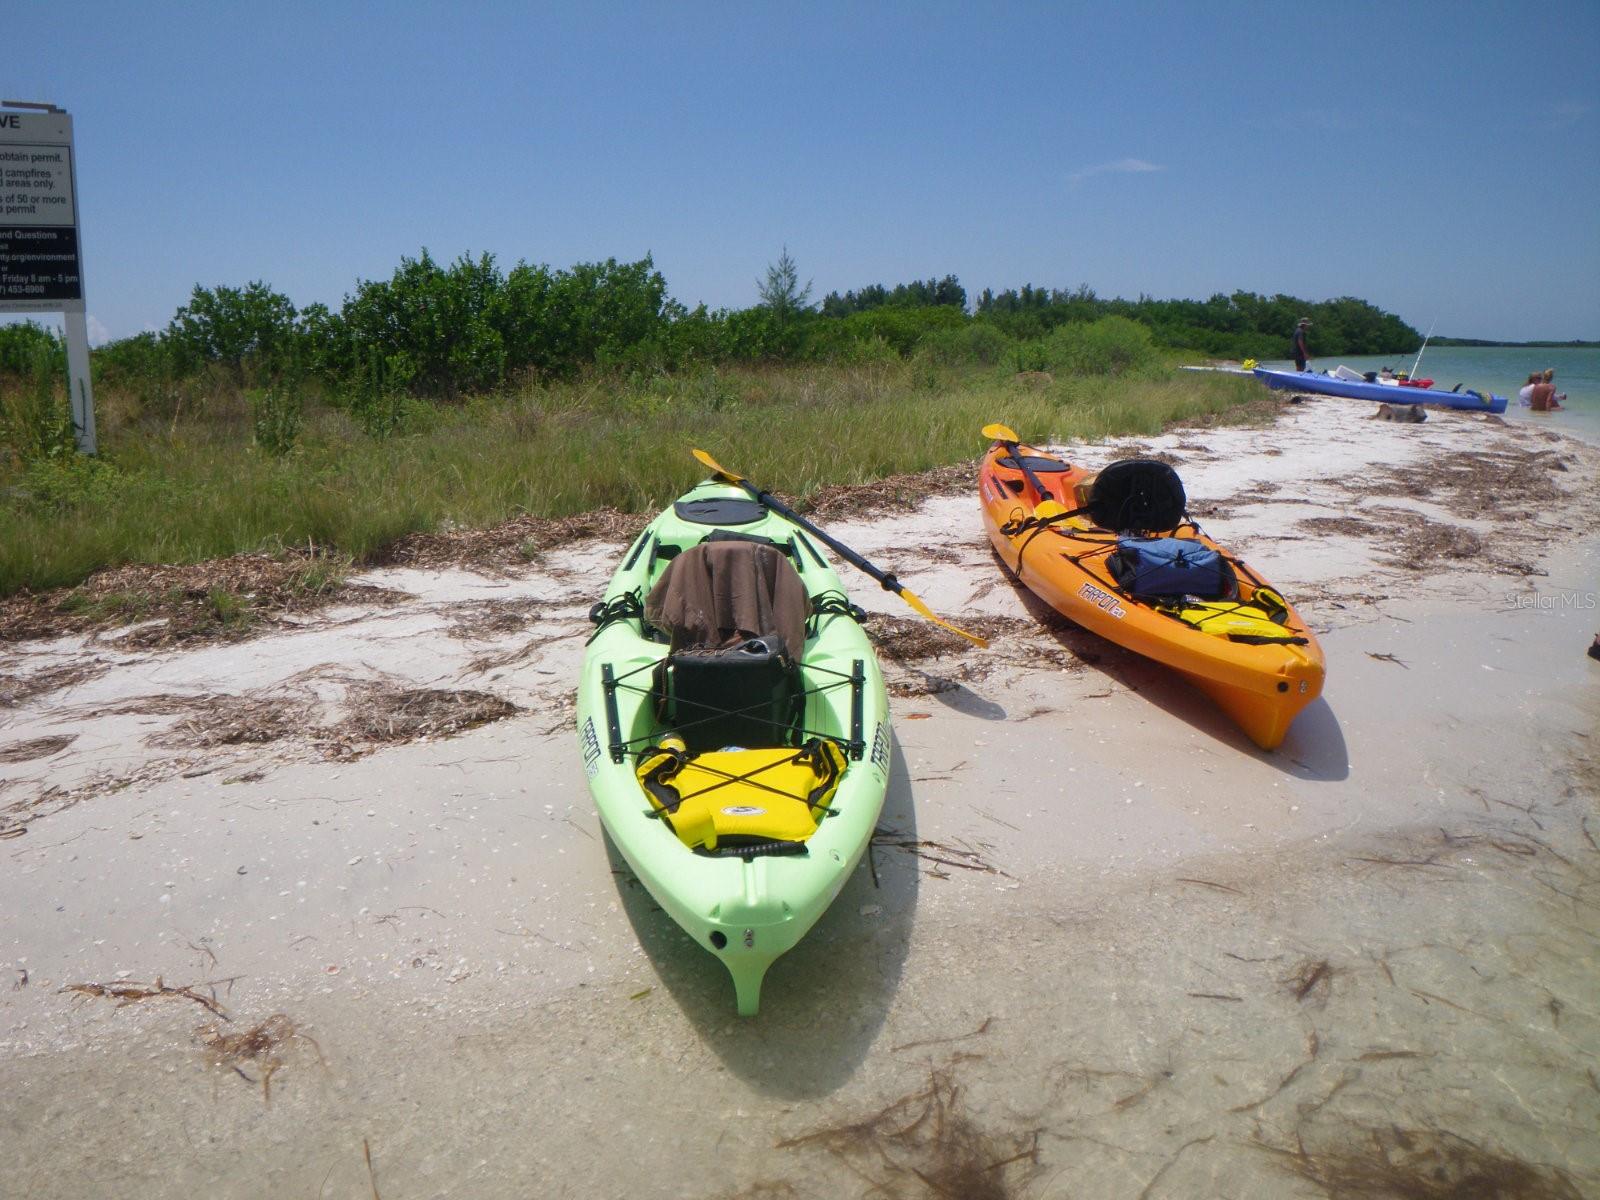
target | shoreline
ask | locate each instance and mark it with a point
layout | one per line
(1097, 902)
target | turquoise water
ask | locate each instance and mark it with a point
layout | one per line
(1502, 370)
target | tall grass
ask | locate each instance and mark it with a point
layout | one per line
(183, 492)
(35, 414)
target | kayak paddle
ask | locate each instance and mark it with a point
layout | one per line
(1006, 436)
(889, 582)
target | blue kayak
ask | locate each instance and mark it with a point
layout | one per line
(1332, 385)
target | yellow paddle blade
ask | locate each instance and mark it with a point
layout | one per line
(1049, 508)
(707, 461)
(915, 601)
(999, 433)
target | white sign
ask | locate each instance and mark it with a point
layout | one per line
(40, 266)
(40, 270)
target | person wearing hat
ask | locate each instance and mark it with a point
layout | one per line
(1298, 347)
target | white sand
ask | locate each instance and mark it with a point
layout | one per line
(498, 1011)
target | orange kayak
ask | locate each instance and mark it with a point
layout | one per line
(1065, 532)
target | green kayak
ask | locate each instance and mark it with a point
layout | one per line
(734, 726)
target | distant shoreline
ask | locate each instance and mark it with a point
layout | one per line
(1444, 341)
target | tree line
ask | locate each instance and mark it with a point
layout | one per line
(441, 330)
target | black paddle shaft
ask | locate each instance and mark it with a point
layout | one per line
(767, 499)
(1016, 457)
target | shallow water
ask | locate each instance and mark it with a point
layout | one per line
(1501, 370)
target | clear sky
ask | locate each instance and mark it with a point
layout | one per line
(1439, 160)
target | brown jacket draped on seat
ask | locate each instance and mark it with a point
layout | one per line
(719, 593)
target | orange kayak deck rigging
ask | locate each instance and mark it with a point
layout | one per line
(1249, 651)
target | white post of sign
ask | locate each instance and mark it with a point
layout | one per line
(41, 269)
(78, 379)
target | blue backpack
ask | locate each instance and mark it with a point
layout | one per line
(1170, 567)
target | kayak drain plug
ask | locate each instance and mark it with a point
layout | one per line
(1282, 686)
(719, 939)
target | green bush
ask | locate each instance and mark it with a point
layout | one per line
(1109, 346)
(838, 342)
(22, 344)
(902, 328)
(977, 342)
(250, 330)
(595, 313)
(277, 416)
(467, 328)
(35, 414)
(436, 320)
(58, 485)
(145, 369)
(1030, 354)
(375, 396)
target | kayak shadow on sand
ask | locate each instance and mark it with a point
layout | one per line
(838, 982)
(1314, 748)
(959, 698)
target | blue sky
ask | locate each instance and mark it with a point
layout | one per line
(1439, 160)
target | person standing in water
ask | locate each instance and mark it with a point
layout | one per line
(1298, 346)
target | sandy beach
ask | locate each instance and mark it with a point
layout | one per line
(326, 912)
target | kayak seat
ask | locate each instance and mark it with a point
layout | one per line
(723, 591)
(1137, 495)
(720, 510)
(1036, 463)
(735, 613)
(746, 695)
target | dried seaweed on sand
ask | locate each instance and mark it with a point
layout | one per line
(1420, 1164)
(939, 853)
(908, 639)
(380, 712)
(927, 1142)
(263, 1046)
(212, 721)
(221, 599)
(1476, 483)
(1425, 541)
(1359, 527)
(509, 543)
(1311, 980)
(33, 748)
(126, 992)
(485, 620)
(376, 712)
(900, 492)
(18, 689)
